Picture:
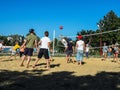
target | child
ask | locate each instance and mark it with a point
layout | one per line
(116, 52)
(15, 50)
(105, 50)
(109, 52)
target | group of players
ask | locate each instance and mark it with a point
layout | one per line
(43, 48)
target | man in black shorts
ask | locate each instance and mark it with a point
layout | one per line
(30, 42)
(44, 47)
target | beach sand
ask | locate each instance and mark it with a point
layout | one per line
(94, 74)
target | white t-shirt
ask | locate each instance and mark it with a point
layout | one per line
(44, 42)
(87, 49)
(80, 44)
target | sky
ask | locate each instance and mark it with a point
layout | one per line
(18, 16)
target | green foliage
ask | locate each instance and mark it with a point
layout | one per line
(109, 22)
(11, 39)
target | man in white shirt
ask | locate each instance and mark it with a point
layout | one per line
(80, 46)
(44, 47)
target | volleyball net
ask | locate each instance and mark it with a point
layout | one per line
(60, 43)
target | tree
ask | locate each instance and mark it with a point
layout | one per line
(110, 22)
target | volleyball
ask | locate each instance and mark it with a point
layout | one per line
(61, 27)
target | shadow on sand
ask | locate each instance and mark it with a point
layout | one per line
(34, 80)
